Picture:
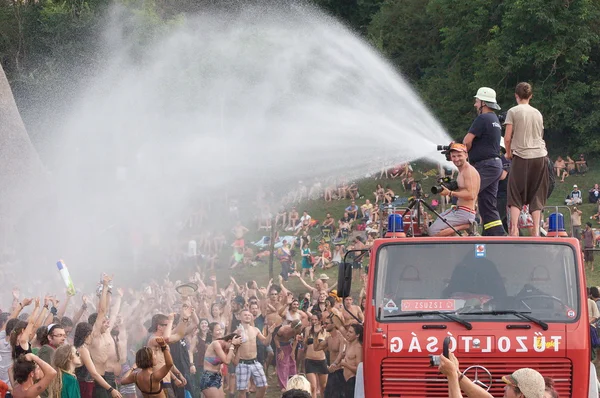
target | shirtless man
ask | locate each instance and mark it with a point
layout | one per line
(328, 222)
(161, 327)
(354, 309)
(320, 285)
(352, 358)
(248, 365)
(334, 344)
(103, 346)
(461, 216)
(116, 355)
(271, 308)
(285, 342)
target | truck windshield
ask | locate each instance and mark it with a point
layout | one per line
(476, 282)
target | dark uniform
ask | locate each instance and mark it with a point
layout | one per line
(485, 157)
(503, 192)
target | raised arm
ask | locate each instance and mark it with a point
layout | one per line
(160, 374)
(101, 306)
(302, 281)
(29, 330)
(115, 309)
(63, 308)
(41, 385)
(80, 311)
(17, 308)
(262, 338)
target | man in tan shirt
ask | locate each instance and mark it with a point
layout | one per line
(528, 182)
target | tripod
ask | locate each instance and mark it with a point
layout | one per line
(420, 201)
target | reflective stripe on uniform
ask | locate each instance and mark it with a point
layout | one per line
(492, 224)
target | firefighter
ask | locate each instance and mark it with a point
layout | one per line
(483, 144)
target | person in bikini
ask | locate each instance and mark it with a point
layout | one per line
(149, 381)
(221, 350)
(315, 364)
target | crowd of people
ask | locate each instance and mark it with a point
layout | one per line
(197, 340)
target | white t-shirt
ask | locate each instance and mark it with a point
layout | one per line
(5, 357)
(305, 219)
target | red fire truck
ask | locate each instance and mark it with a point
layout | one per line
(505, 303)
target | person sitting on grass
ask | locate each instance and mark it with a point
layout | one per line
(594, 194)
(575, 197)
(570, 170)
(582, 166)
(352, 211)
(559, 166)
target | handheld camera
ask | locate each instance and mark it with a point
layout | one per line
(447, 182)
(434, 360)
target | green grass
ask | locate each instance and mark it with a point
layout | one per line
(319, 208)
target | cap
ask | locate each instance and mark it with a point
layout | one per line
(240, 300)
(529, 381)
(323, 277)
(575, 186)
(488, 96)
(457, 146)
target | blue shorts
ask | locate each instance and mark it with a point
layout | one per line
(210, 380)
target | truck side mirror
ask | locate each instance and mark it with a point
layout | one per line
(344, 285)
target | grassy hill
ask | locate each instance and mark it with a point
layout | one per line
(319, 208)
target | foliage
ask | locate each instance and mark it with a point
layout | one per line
(446, 48)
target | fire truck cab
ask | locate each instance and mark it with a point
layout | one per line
(505, 303)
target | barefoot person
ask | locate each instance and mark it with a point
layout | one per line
(461, 216)
(248, 366)
(26, 370)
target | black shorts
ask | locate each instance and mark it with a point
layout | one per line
(588, 255)
(335, 385)
(315, 366)
(350, 387)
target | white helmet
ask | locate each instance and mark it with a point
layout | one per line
(488, 96)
